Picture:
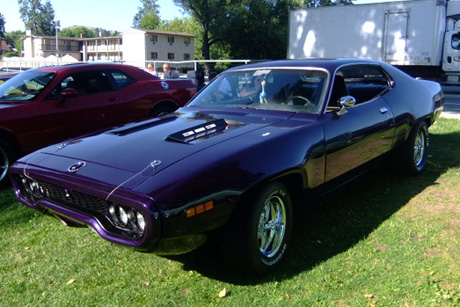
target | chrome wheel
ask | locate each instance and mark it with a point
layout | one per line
(419, 148)
(4, 164)
(414, 152)
(256, 240)
(271, 227)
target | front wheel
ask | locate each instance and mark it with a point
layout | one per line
(258, 240)
(6, 158)
(161, 111)
(414, 155)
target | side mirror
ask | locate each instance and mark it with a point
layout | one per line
(69, 93)
(346, 102)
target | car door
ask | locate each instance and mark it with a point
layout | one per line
(81, 111)
(131, 100)
(366, 130)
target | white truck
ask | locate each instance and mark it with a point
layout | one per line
(421, 37)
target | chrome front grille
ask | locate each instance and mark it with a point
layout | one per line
(69, 198)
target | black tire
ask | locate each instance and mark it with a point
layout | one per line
(6, 159)
(161, 111)
(414, 154)
(257, 239)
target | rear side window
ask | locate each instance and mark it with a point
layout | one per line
(121, 79)
(365, 82)
(94, 82)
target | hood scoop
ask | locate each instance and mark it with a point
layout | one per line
(134, 127)
(204, 131)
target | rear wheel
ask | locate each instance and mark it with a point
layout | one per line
(6, 158)
(257, 240)
(161, 111)
(414, 156)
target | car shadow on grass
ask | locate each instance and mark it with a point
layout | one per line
(332, 224)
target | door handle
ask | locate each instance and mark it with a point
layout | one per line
(383, 110)
(113, 99)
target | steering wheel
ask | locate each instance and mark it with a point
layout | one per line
(291, 100)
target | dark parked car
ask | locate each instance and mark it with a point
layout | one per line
(46, 105)
(233, 157)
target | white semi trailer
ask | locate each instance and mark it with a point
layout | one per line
(421, 37)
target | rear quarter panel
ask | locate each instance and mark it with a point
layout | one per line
(410, 100)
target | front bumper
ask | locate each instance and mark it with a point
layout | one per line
(80, 203)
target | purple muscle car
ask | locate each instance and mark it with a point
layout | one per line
(232, 157)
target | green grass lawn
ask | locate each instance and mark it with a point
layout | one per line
(383, 240)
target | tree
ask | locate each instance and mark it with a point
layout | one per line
(258, 29)
(147, 16)
(38, 17)
(14, 39)
(317, 3)
(2, 26)
(211, 16)
(254, 29)
(77, 32)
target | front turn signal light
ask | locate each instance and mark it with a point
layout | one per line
(201, 208)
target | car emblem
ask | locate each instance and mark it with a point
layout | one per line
(76, 166)
(164, 85)
(155, 163)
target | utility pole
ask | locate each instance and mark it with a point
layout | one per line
(56, 26)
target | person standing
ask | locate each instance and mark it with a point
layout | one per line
(168, 73)
(151, 70)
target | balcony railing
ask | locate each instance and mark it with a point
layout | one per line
(52, 48)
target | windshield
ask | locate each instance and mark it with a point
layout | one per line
(296, 90)
(25, 86)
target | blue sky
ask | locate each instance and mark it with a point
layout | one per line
(107, 14)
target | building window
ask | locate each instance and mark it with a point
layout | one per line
(170, 56)
(154, 39)
(187, 41)
(153, 55)
(186, 56)
(171, 40)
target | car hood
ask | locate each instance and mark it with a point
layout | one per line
(146, 148)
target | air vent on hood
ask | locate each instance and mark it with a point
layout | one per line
(130, 128)
(204, 131)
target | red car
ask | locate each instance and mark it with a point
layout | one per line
(47, 105)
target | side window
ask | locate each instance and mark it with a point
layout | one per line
(121, 79)
(71, 82)
(365, 82)
(87, 82)
(68, 82)
(93, 82)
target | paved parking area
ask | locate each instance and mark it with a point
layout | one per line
(452, 101)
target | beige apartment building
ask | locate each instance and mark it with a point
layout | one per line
(135, 46)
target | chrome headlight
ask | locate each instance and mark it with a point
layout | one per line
(140, 221)
(123, 216)
(31, 189)
(127, 219)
